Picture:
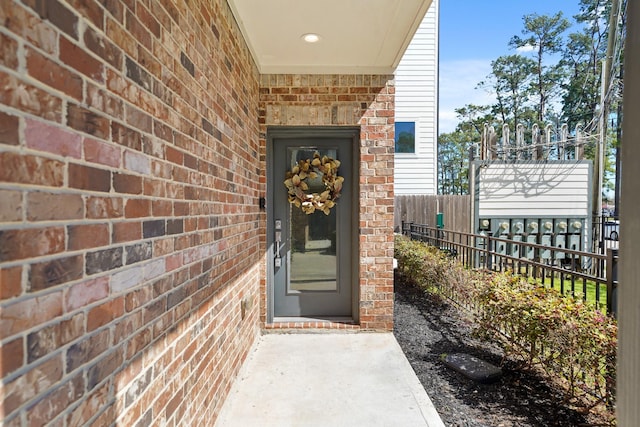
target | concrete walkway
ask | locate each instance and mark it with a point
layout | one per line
(328, 380)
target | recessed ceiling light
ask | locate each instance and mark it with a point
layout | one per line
(311, 38)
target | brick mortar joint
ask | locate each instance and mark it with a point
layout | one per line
(23, 75)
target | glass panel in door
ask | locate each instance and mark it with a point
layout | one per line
(313, 237)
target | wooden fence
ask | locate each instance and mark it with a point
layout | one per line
(422, 209)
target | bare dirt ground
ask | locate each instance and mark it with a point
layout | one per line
(428, 328)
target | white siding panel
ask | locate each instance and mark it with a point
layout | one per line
(534, 189)
(416, 82)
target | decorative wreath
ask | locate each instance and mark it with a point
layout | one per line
(299, 181)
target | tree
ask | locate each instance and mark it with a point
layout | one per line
(543, 34)
(510, 79)
(581, 94)
(582, 58)
(601, 38)
(453, 148)
(472, 120)
(453, 163)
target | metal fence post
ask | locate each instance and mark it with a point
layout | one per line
(612, 281)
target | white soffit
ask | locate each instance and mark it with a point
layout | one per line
(356, 36)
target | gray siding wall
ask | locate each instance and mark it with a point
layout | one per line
(535, 189)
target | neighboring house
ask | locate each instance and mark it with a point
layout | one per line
(146, 236)
(417, 111)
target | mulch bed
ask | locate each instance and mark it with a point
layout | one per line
(428, 328)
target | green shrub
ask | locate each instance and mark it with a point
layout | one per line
(423, 264)
(565, 337)
(434, 269)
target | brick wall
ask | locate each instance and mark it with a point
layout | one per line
(130, 231)
(366, 101)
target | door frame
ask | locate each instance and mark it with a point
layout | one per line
(352, 178)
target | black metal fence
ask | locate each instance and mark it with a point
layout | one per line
(605, 232)
(586, 275)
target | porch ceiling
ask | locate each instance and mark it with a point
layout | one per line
(356, 36)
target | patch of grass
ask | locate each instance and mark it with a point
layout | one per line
(576, 289)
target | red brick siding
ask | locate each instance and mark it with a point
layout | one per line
(366, 101)
(130, 229)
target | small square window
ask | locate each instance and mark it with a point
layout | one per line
(405, 137)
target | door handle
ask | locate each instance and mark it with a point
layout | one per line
(277, 242)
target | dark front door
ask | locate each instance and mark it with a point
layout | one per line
(311, 256)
